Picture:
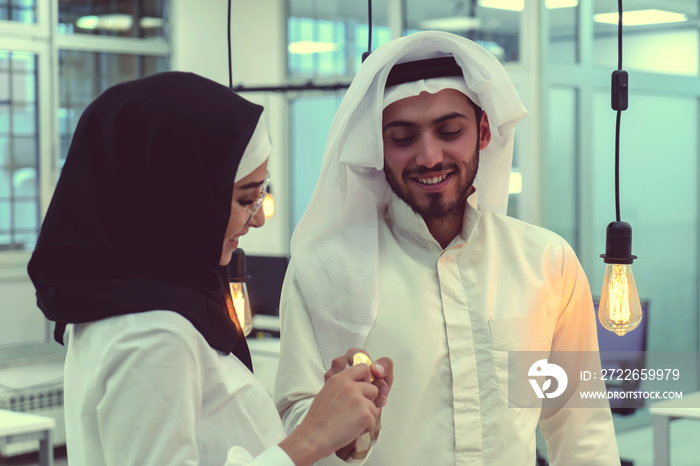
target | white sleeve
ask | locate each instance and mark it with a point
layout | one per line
(152, 397)
(577, 436)
(300, 372)
(273, 456)
(152, 402)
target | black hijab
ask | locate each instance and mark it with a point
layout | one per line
(138, 218)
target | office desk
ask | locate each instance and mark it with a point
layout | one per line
(265, 354)
(18, 427)
(663, 413)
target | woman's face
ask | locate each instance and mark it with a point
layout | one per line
(245, 193)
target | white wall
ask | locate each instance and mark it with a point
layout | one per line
(20, 319)
(258, 39)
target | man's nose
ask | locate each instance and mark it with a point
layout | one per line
(429, 152)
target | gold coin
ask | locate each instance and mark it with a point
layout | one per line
(362, 358)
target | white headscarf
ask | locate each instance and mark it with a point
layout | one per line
(335, 245)
(256, 152)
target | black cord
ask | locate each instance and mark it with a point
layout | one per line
(230, 72)
(369, 19)
(619, 115)
(619, 35)
(369, 40)
(617, 165)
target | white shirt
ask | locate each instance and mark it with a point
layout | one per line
(146, 389)
(448, 318)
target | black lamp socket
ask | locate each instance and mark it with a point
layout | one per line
(236, 268)
(618, 244)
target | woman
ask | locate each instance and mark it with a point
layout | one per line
(163, 176)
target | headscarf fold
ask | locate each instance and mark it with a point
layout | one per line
(138, 218)
(335, 245)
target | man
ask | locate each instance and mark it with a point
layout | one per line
(396, 255)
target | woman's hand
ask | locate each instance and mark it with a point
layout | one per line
(383, 378)
(382, 370)
(343, 410)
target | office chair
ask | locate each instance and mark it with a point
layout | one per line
(634, 344)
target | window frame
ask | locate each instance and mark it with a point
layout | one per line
(38, 30)
(43, 40)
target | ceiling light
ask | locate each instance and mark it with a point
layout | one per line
(149, 23)
(87, 22)
(510, 5)
(519, 5)
(641, 17)
(552, 4)
(304, 47)
(515, 183)
(115, 22)
(453, 24)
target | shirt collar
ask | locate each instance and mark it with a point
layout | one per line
(406, 224)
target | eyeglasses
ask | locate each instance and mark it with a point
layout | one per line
(253, 207)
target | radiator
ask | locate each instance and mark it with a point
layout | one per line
(43, 402)
(33, 385)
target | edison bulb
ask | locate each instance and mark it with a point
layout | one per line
(620, 310)
(268, 205)
(241, 303)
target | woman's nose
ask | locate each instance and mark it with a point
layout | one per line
(258, 219)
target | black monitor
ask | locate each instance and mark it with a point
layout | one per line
(621, 353)
(265, 283)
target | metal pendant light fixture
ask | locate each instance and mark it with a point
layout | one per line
(619, 310)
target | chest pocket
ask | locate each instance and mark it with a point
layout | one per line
(527, 339)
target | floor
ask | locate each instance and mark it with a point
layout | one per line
(635, 445)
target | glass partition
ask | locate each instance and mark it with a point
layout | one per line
(564, 33)
(21, 11)
(327, 38)
(85, 75)
(128, 18)
(311, 119)
(559, 164)
(495, 24)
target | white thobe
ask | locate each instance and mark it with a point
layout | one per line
(448, 318)
(147, 389)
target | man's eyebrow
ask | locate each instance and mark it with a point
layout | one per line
(449, 116)
(395, 123)
(436, 121)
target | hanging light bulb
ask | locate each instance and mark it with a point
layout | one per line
(239, 291)
(620, 310)
(268, 205)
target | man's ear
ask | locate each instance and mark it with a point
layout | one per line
(484, 131)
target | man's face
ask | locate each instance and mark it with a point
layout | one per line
(431, 150)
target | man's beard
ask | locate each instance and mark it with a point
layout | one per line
(437, 207)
